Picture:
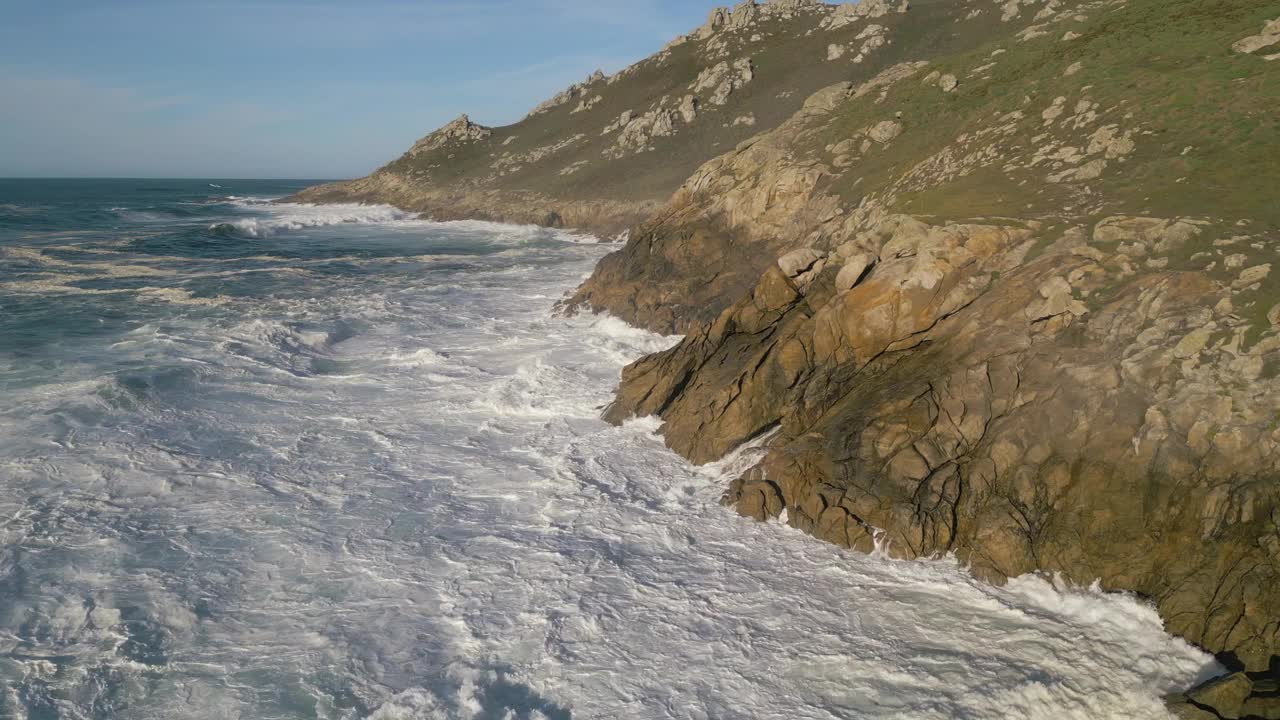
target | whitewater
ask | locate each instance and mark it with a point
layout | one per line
(270, 461)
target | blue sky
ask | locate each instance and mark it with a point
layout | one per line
(289, 88)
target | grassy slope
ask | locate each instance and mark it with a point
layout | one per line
(790, 64)
(1208, 147)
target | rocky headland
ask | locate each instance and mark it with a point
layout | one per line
(992, 277)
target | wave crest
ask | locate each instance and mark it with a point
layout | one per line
(291, 218)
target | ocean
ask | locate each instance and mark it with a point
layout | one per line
(266, 461)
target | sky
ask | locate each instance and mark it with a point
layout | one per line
(313, 89)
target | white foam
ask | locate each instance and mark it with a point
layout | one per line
(420, 358)
(285, 217)
(391, 496)
(276, 217)
(506, 234)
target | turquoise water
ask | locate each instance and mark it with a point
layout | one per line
(271, 461)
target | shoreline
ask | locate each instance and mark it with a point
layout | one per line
(602, 218)
(1176, 702)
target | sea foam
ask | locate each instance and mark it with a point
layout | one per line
(383, 490)
(291, 217)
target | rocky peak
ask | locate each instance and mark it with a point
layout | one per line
(741, 16)
(459, 130)
(569, 93)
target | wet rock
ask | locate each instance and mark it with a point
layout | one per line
(1226, 695)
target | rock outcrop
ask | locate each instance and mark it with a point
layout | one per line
(849, 13)
(1038, 390)
(460, 130)
(1268, 38)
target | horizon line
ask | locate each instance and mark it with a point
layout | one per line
(162, 177)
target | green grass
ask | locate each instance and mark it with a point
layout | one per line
(1165, 64)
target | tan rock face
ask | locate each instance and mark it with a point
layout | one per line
(1006, 421)
(726, 224)
(940, 387)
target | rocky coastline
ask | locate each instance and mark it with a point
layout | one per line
(991, 275)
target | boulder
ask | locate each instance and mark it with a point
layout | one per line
(1251, 275)
(799, 261)
(688, 109)
(885, 131)
(855, 268)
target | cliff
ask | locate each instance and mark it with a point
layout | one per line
(994, 279)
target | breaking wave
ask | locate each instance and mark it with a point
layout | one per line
(381, 489)
(293, 217)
